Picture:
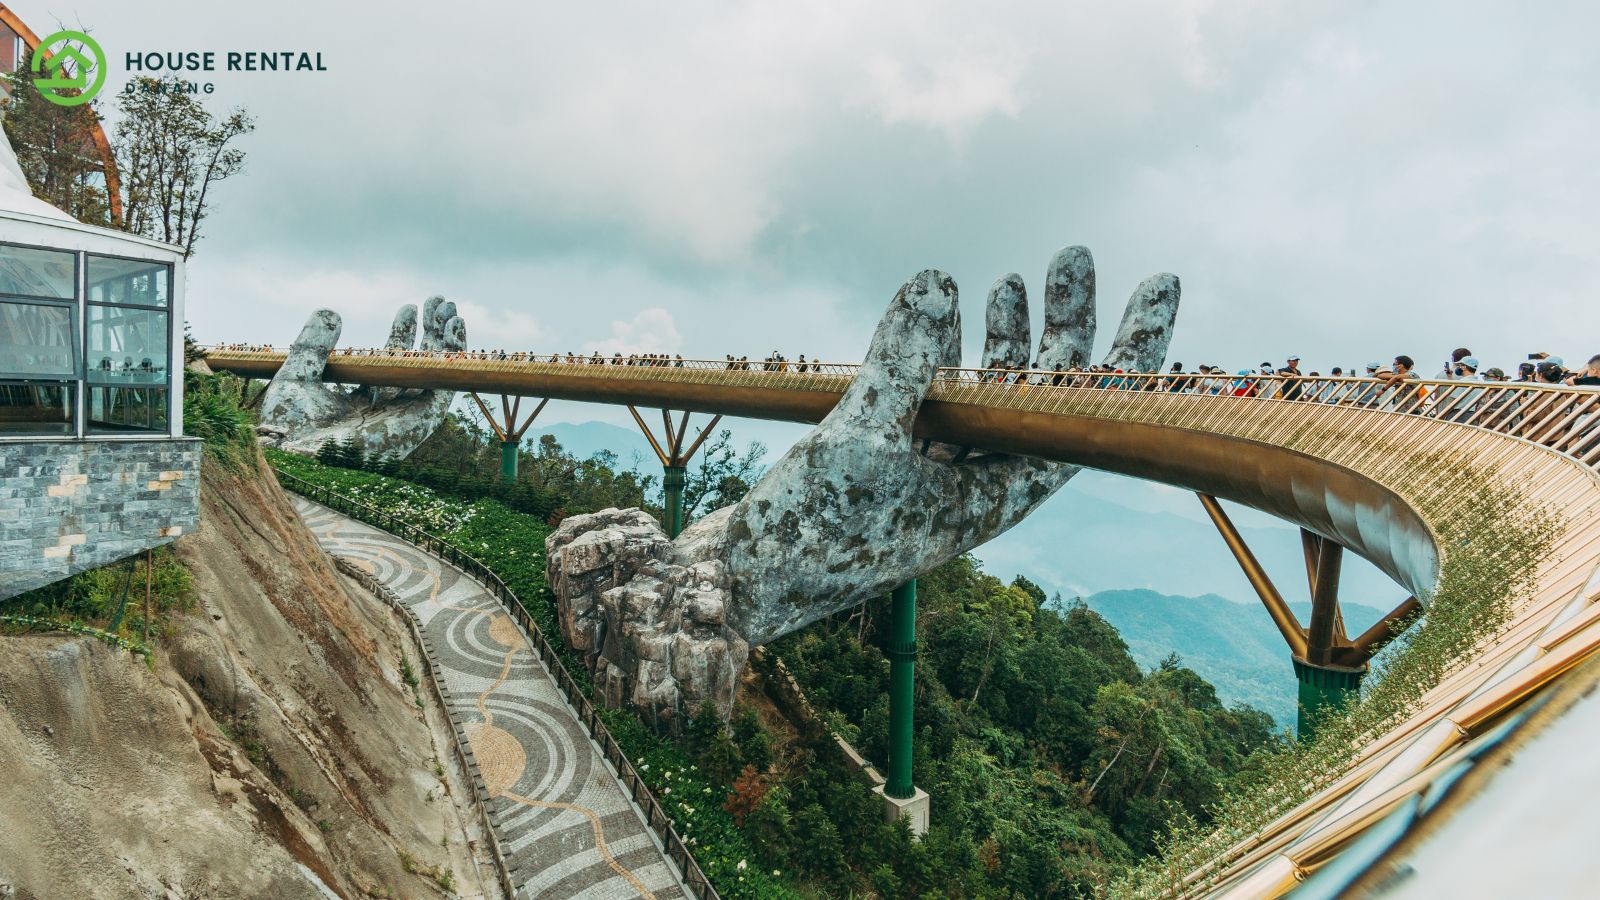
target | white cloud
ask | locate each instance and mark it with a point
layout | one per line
(266, 289)
(951, 95)
(649, 331)
(501, 328)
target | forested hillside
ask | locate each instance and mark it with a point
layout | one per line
(1054, 759)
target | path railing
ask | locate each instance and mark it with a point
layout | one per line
(655, 817)
(1561, 417)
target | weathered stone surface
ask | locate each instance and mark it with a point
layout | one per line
(652, 629)
(301, 413)
(1006, 346)
(1069, 310)
(852, 510)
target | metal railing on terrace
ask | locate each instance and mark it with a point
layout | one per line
(1562, 418)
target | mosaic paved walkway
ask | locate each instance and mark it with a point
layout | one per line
(565, 825)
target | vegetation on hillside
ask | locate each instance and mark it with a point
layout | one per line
(212, 412)
(1055, 760)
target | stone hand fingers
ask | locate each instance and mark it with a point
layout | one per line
(1147, 322)
(920, 332)
(309, 353)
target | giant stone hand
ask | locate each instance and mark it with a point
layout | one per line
(301, 413)
(854, 509)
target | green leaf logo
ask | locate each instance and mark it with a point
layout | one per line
(64, 77)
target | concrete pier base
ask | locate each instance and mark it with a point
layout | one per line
(913, 808)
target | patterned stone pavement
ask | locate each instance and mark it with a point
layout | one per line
(566, 826)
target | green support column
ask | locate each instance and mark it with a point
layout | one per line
(672, 480)
(902, 685)
(1323, 688)
(508, 460)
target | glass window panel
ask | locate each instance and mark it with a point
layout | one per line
(112, 280)
(121, 409)
(38, 273)
(36, 339)
(126, 345)
(43, 408)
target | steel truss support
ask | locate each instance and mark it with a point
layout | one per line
(508, 430)
(244, 393)
(674, 460)
(1328, 665)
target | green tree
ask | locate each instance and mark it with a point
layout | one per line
(171, 151)
(721, 476)
(55, 147)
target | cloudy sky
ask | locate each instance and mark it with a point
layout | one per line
(1343, 180)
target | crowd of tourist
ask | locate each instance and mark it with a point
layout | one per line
(1462, 389)
(1286, 382)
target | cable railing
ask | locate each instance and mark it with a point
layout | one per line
(1562, 418)
(655, 817)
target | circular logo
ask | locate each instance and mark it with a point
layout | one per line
(73, 55)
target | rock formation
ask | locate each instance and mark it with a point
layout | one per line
(852, 510)
(301, 413)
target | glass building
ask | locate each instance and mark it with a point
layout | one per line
(94, 467)
(90, 326)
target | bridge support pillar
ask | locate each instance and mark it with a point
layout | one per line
(672, 479)
(902, 799)
(1328, 664)
(674, 458)
(1323, 690)
(509, 430)
(508, 460)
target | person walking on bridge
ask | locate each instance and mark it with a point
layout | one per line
(1403, 394)
(1290, 373)
(1463, 402)
(1449, 371)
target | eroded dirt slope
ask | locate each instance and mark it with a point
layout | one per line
(276, 748)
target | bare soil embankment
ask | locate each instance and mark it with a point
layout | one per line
(277, 748)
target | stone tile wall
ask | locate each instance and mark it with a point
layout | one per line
(67, 506)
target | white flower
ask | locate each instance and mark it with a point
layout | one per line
(741, 865)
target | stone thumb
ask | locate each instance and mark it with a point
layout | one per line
(913, 339)
(309, 352)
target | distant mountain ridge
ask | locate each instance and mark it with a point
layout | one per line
(1234, 646)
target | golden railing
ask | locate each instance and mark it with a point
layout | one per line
(1563, 418)
(1435, 445)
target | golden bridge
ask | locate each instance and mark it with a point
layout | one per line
(1424, 479)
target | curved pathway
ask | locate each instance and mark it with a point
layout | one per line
(564, 823)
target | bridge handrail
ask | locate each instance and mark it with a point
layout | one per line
(1563, 418)
(655, 816)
